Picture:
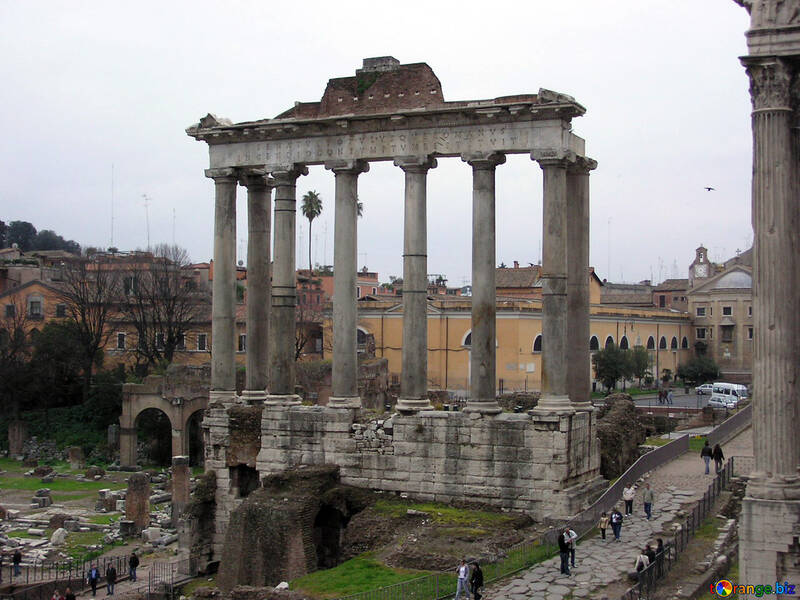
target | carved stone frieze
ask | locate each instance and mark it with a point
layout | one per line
(771, 13)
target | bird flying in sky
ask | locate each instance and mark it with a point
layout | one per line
(709, 189)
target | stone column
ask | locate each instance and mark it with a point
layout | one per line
(137, 500)
(483, 354)
(414, 377)
(345, 310)
(578, 370)
(223, 304)
(284, 286)
(180, 487)
(259, 287)
(769, 548)
(555, 336)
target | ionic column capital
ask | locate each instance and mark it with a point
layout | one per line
(255, 179)
(415, 164)
(225, 175)
(484, 161)
(551, 157)
(582, 166)
(354, 167)
(286, 174)
(770, 82)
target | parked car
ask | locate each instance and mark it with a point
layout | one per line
(716, 402)
(704, 390)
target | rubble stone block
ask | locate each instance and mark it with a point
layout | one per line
(137, 500)
(59, 537)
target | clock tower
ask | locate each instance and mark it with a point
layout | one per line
(701, 269)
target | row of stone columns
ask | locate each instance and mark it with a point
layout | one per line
(271, 308)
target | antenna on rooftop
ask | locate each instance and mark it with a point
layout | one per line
(147, 217)
(173, 226)
(112, 205)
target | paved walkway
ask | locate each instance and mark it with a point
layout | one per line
(602, 562)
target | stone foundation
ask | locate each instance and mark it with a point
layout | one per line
(544, 465)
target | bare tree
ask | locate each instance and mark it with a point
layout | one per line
(89, 288)
(161, 302)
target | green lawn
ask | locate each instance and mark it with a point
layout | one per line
(359, 574)
(105, 519)
(57, 485)
(442, 514)
(23, 533)
(708, 529)
(656, 441)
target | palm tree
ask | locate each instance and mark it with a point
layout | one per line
(312, 207)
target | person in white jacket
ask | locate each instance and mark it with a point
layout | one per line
(628, 494)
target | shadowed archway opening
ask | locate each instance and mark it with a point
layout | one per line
(329, 525)
(154, 437)
(244, 479)
(194, 439)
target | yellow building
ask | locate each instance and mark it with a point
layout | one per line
(665, 333)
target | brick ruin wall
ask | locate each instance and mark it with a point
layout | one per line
(543, 465)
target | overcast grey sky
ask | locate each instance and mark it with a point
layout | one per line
(91, 84)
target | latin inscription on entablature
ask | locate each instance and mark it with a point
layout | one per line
(511, 138)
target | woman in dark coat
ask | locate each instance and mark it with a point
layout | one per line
(718, 457)
(476, 582)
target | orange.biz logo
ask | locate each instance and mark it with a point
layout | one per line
(725, 588)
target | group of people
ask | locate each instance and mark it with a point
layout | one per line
(469, 577)
(646, 557)
(68, 595)
(665, 396)
(707, 453)
(93, 575)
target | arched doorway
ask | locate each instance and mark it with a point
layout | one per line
(193, 439)
(328, 527)
(153, 437)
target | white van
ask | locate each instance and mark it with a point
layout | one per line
(727, 394)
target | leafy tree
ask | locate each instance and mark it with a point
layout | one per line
(56, 361)
(50, 240)
(666, 375)
(89, 289)
(22, 234)
(610, 365)
(639, 362)
(15, 350)
(312, 208)
(698, 370)
(3, 234)
(161, 302)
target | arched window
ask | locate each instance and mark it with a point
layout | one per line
(623, 343)
(684, 343)
(609, 342)
(651, 343)
(467, 340)
(674, 343)
(361, 336)
(537, 344)
(594, 344)
(662, 344)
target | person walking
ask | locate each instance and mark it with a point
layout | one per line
(573, 541)
(92, 577)
(616, 523)
(17, 562)
(647, 498)
(706, 453)
(476, 582)
(563, 551)
(669, 396)
(628, 494)
(603, 525)
(133, 563)
(718, 457)
(642, 562)
(463, 575)
(111, 578)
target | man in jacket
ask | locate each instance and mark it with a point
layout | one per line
(563, 550)
(647, 498)
(476, 581)
(92, 578)
(706, 455)
(133, 563)
(111, 579)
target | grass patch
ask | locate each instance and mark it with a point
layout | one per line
(57, 485)
(358, 574)
(189, 589)
(76, 542)
(23, 533)
(12, 466)
(70, 497)
(657, 441)
(198, 471)
(442, 514)
(708, 529)
(105, 519)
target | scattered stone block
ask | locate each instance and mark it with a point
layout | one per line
(151, 534)
(127, 529)
(11, 514)
(137, 500)
(42, 492)
(58, 520)
(92, 472)
(75, 457)
(282, 586)
(120, 506)
(50, 478)
(34, 531)
(72, 525)
(42, 471)
(59, 537)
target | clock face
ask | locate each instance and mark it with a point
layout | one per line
(701, 270)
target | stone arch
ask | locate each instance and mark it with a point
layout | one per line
(662, 343)
(609, 342)
(673, 345)
(623, 342)
(651, 343)
(537, 343)
(158, 447)
(594, 344)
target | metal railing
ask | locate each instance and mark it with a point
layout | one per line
(648, 578)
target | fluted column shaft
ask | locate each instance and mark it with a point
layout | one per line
(578, 368)
(223, 299)
(345, 309)
(483, 353)
(284, 286)
(259, 287)
(776, 278)
(414, 377)
(555, 393)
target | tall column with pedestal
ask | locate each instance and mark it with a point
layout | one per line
(555, 335)
(769, 549)
(223, 303)
(578, 361)
(483, 352)
(414, 377)
(284, 286)
(259, 287)
(345, 309)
